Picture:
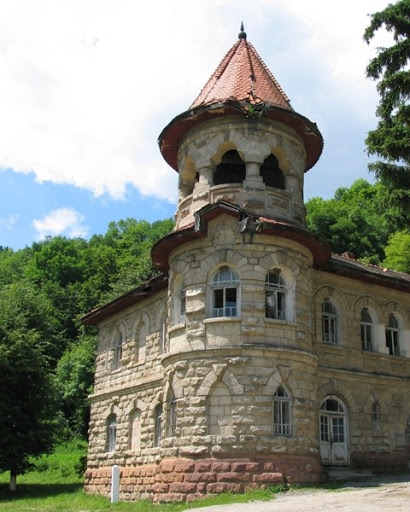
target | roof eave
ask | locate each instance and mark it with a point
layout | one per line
(171, 136)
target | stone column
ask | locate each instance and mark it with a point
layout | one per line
(253, 178)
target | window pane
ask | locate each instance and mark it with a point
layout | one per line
(230, 306)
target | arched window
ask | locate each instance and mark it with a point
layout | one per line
(117, 351)
(375, 413)
(225, 291)
(271, 174)
(135, 430)
(157, 425)
(232, 169)
(111, 432)
(366, 330)
(141, 334)
(172, 415)
(329, 323)
(275, 294)
(281, 413)
(392, 336)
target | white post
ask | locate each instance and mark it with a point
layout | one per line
(115, 484)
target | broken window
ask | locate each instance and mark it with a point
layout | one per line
(275, 293)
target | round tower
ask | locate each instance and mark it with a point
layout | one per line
(240, 372)
(241, 141)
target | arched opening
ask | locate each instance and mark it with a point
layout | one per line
(271, 174)
(333, 432)
(220, 410)
(232, 169)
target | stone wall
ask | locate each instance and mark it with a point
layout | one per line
(215, 379)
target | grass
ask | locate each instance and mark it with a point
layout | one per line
(54, 485)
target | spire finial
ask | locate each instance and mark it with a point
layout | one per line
(242, 33)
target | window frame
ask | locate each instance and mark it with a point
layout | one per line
(393, 336)
(330, 324)
(366, 331)
(172, 415)
(220, 289)
(158, 412)
(281, 413)
(111, 433)
(117, 351)
(277, 290)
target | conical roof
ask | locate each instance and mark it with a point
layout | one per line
(242, 76)
(241, 85)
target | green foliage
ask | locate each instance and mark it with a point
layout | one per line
(390, 141)
(27, 400)
(74, 379)
(398, 252)
(352, 221)
(44, 292)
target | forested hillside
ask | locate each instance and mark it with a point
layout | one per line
(47, 356)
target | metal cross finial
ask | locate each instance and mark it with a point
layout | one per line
(242, 33)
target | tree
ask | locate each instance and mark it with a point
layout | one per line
(74, 380)
(27, 404)
(398, 252)
(390, 141)
(351, 221)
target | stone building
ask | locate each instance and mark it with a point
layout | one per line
(258, 356)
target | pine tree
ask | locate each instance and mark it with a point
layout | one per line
(390, 141)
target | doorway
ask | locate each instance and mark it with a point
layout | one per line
(333, 432)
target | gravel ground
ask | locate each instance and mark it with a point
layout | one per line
(379, 494)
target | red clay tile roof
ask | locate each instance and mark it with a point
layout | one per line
(242, 76)
(242, 79)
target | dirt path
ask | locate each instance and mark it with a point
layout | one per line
(383, 494)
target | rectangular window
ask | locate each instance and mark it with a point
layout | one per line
(281, 417)
(366, 336)
(392, 342)
(329, 329)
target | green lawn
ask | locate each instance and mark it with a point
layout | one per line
(54, 485)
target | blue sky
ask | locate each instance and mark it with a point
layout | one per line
(86, 86)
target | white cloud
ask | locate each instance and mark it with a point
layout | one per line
(63, 221)
(87, 85)
(9, 222)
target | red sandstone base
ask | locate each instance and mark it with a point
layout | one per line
(187, 480)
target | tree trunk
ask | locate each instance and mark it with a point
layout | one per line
(13, 479)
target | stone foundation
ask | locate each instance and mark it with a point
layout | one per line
(179, 480)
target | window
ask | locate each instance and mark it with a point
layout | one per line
(281, 413)
(232, 169)
(141, 333)
(329, 323)
(275, 292)
(117, 351)
(225, 293)
(182, 306)
(392, 336)
(157, 425)
(271, 174)
(366, 330)
(375, 413)
(135, 430)
(172, 419)
(111, 432)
